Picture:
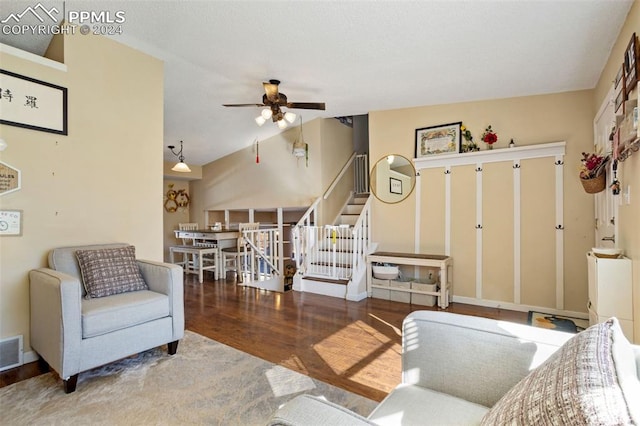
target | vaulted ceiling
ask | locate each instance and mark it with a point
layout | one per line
(356, 56)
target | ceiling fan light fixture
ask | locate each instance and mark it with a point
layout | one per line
(290, 117)
(282, 124)
(260, 120)
(266, 113)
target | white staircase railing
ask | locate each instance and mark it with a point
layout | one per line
(330, 251)
(361, 174)
(265, 245)
(330, 255)
(361, 235)
(334, 252)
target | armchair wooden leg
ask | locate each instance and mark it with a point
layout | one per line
(172, 347)
(70, 383)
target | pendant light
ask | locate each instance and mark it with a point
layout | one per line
(180, 166)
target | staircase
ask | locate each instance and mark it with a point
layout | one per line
(332, 257)
(351, 212)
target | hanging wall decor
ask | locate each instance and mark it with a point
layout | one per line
(32, 104)
(631, 64)
(9, 179)
(442, 139)
(11, 222)
(176, 200)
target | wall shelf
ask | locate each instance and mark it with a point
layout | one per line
(491, 156)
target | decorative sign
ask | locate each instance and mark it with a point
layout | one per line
(32, 104)
(11, 222)
(9, 179)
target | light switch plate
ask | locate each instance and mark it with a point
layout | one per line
(627, 195)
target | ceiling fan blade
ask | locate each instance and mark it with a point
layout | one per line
(271, 90)
(306, 105)
(244, 105)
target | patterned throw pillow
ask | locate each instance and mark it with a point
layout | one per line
(577, 385)
(110, 271)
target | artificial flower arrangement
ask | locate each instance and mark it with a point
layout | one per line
(489, 136)
(469, 145)
(593, 165)
(592, 172)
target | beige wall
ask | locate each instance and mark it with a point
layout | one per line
(528, 120)
(102, 182)
(336, 148)
(280, 179)
(628, 171)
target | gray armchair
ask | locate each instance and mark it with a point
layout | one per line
(456, 369)
(75, 334)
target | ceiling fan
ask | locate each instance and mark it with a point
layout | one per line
(274, 100)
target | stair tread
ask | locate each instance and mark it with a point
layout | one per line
(326, 280)
(338, 265)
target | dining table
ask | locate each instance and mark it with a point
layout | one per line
(223, 238)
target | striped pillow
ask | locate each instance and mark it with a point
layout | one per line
(578, 385)
(110, 271)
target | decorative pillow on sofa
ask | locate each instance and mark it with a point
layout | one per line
(110, 271)
(579, 384)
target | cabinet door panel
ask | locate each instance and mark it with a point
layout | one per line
(463, 233)
(538, 233)
(432, 211)
(497, 232)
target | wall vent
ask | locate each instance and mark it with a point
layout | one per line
(11, 352)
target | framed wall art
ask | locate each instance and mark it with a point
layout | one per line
(618, 79)
(395, 186)
(442, 139)
(32, 104)
(11, 223)
(620, 98)
(631, 64)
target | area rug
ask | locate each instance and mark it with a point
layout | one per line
(206, 382)
(557, 322)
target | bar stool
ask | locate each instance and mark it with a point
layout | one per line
(201, 253)
(233, 258)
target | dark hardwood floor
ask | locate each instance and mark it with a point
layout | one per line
(352, 345)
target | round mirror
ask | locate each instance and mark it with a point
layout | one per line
(392, 179)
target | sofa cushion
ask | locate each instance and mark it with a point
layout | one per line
(107, 314)
(578, 384)
(106, 272)
(415, 405)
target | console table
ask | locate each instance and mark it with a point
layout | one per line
(444, 263)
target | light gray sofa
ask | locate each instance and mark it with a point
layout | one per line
(74, 334)
(456, 367)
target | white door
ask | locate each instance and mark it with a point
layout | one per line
(606, 204)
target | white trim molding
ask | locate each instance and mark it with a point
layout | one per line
(491, 156)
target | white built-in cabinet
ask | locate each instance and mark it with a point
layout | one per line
(610, 292)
